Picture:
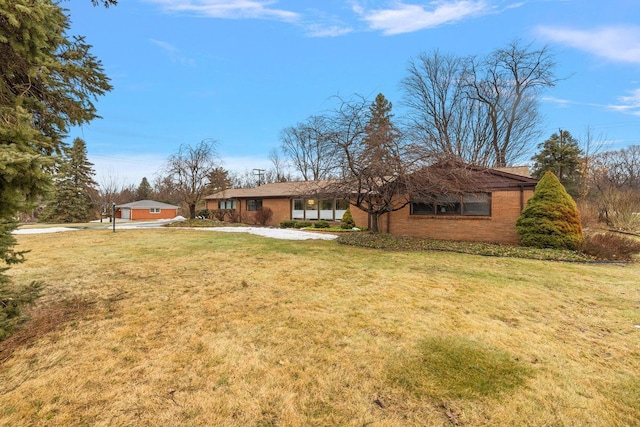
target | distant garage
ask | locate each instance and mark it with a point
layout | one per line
(146, 210)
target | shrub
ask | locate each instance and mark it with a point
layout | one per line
(551, 218)
(302, 224)
(263, 215)
(204, 213)
(610, 247)
(321, 224)
(347, 222)
(219, 214)
(234, 216)
(289, 223)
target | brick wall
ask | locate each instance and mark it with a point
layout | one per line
(499, 228)
(281, 209)
(139, 214)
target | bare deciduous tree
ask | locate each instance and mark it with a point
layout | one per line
(378, 163)
(189, 170)
(281, 171)
(508, 83)
(441, 115)
(309, 150)
(615, 187)
(111, 189)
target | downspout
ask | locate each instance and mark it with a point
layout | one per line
(521, 197)
(388, 222)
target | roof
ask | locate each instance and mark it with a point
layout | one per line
(516, 170)
(147, 204)
(277, 189)
(453, 176)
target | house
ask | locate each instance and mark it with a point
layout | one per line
(484, 208)
(146, 209)
(301, 200)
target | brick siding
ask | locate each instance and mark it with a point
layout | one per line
(280, 207)
(500, 227)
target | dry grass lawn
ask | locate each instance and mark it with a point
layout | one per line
(190, 327)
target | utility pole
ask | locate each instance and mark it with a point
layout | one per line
(260, 173)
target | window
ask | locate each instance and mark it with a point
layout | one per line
(298, 204)
(254, 204)
(342, 205)
(154, 210)
(476, 204)
(418, 208)
(448, 205)
(311, 205)
(229, 204)
(326, 205)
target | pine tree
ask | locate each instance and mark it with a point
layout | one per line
(144, 190)
(48, 81)
(551, 218)
(561, 155)
(73, 183)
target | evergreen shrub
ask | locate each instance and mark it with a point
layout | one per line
(347, 222)
(551, 218)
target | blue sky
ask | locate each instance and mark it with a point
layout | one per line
(241, 71)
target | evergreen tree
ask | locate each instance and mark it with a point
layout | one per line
(377, 163)
(347, 222)
(551, 218)
(560, 154)
(73, 183)
(47, 83)
(144, 190)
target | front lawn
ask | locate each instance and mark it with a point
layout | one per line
(175, 327)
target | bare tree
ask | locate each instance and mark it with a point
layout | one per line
(441, 115)
(377, 161)
(615, 187)
(111, 189)
(280, 171)
(309, 150)
(189, 170)
(508, 83)
(591, 145)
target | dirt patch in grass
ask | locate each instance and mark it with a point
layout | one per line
(45, 320)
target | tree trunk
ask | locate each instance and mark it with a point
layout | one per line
(375, 216)
(192, 210)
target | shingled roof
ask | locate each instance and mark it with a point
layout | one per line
(453, 177)
(277, 189)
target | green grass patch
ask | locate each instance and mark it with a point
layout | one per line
(456, 367)
(405, 243)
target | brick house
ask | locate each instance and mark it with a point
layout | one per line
(301, 200)
(485, 211)
(146, 209)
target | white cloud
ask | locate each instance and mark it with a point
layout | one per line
(405, 18)
(229, 9)
(318, 30)
(173, 53)
(620, 43)
(629, 104)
